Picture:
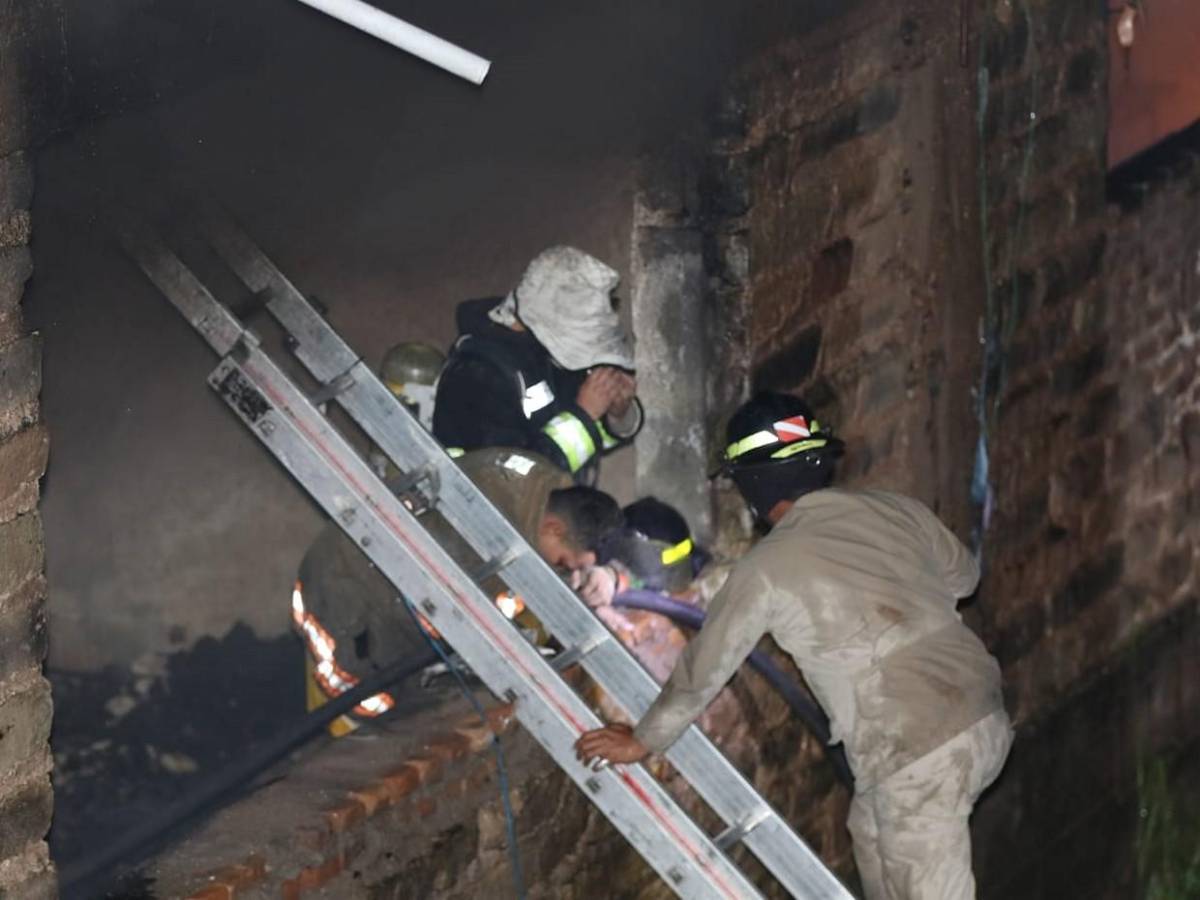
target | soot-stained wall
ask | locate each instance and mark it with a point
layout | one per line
(25, 702)
(385, 188)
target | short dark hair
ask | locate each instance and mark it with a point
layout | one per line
(589, 514)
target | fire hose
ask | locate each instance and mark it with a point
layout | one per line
(88, 876)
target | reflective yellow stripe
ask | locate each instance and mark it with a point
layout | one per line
(455, 452)
(608, 440)
(572, 438)
(672, 555)
(751, 442)
(767, 438)
(799, 447)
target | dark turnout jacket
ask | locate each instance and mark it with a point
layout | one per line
(501, 388)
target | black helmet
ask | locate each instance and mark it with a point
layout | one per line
(655, 545)
(776, 450)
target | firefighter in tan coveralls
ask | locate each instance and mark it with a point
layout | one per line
(860, 588)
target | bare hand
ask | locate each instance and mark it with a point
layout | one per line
(625, 391)
(598, 391)
(597, 586)
(611, 744)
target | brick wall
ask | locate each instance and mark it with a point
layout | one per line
(874, 210)
(25, 706)
(1090, 592)
(837, 204)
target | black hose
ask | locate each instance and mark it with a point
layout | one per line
(807, 711)
(82, 878)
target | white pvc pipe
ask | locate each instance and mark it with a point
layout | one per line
(410, 38)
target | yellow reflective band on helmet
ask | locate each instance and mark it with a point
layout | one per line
(799, 447)
(395, 387)
(752, 442)
(767, 438)
(680, 551)
(455, 452)
(572, 438)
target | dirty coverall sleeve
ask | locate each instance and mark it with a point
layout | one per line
(740, 614)
(958, 565)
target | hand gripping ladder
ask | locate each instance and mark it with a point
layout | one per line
(305, 441)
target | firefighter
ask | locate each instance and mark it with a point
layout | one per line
(654, 550)
(350, 617)
(547, 368)
(410, 370)
(860, 588)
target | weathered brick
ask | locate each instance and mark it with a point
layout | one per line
(449, 748)
(345, 815)
(428, 766)
(20, 383)
(501, 718)
(21, 552)
(16, 183)
(313, 877)
(478, 737)
(16, 265)
(1088, 584)
(29, 875)
(1083, 72)
(1074, 373)
(22, 460)
(1099, 412)
(1066, 273)
(23, 631)
(25, 811)
(725, 186)
(16, 229)
(790, 365)
(1004, 45)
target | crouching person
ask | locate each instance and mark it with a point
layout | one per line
(860, 588)
(350, 617)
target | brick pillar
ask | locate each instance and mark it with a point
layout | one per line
(26, 801)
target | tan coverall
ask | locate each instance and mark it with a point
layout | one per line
(860, 588)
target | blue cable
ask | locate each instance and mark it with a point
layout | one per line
(510, 820)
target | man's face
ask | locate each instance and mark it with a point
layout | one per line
(556, 548)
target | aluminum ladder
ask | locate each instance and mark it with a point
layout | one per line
(290, 422)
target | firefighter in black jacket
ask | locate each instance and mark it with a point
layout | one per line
(547, 368)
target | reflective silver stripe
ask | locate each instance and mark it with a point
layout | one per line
(536, 397)
(572, 438)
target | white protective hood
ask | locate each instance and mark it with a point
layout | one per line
(565, 299)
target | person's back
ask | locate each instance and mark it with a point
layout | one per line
(860, 588)
(865, 586)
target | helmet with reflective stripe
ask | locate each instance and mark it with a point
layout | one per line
(777, 450)
(655, 545)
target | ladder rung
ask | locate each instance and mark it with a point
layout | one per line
(572, 655)
(499, 564)
(418, 489)
(735, 833)
(331, 389)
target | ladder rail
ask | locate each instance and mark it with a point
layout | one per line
(317, 455)
(400, 436)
